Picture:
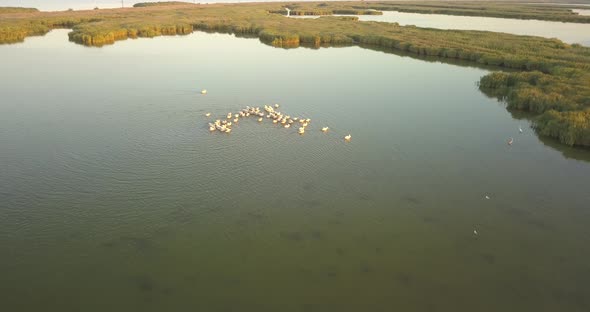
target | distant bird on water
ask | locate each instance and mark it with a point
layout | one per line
(510, 141)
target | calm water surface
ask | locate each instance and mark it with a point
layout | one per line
(582, 11)
(566, 32)
(114, 196)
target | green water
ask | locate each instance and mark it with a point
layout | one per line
(114, 196)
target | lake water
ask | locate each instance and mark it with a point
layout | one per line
(114, 196)
(582, 11)
(567, 32)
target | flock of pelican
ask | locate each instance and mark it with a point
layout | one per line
(269, 112)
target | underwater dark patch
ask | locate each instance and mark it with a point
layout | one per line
(488, 258)
(403, 279)
(144, 283)
(292, 236)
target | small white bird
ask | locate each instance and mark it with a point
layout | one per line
(487, 197)
(204, 91)
(348, 137)
(207, 114)
(475, 232)
(325, 129)
(287, 125)
(519, 129)
(510, 141)
(260, 119)
(277, 105)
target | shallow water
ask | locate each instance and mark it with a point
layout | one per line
(114, 195)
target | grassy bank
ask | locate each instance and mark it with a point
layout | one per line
(552, 78)
(10, 10)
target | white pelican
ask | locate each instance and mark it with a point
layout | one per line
(212, 128)
(301, 130)
(204, 91)
(287, 125)
(348, 137)
(236, 120)
(275, 121)
(325, 129)
(277, 105)
(487, 197)
(208, 114)
(519, 129)
(510, 141)
(475, 232)
(260, 119)
(228, 130)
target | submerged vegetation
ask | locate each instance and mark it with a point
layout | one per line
(552, 78)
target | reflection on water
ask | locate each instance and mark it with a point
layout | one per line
(116, 197)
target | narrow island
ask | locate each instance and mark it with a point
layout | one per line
(546, 77)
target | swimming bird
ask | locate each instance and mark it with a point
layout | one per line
(487, 197)
(208, 114)
(260, 119)
(287, 125)
(348, 137)
(204, 91)
(228, 130)
(510, 141)
(211, 128)
(275, 121)
(519, 129)
(277, 105)
(236, 120)
(325, 129)
(301, 130)
(475, 232)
